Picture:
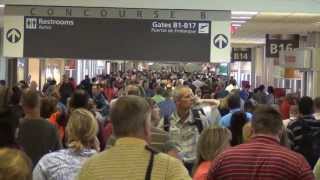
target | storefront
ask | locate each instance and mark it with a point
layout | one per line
(92, 68)
(39, 70)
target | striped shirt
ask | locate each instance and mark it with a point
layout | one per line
(261, 158)
(128, 160)
(304, 135)
(160, 140)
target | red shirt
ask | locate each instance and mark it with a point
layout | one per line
(262, 158)
(202, 171)
(285, 109)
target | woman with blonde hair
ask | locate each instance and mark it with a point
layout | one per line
(81, 134)
(14, 165)
(211, 143)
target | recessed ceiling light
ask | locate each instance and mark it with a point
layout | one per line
(241, 17)
(238, 21)
(2, 5)
(244, 13)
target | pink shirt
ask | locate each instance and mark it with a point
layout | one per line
(202, 171)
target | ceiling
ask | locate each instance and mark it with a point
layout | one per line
(254, 30)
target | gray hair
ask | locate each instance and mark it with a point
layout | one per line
(177, 92)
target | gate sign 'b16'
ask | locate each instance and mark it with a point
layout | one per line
(275, 45)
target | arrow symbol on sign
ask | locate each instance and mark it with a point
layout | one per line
(13, 35)
(221, 40)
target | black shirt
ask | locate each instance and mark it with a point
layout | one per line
(37, 138)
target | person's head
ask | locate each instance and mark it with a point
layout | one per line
(166, 94)
(294, 111)
(7, 129)
(261, 88)
(155, 114)
(53, 82)
(270, 90)
(183, 97)
(96, 89)
(249, 106)
(15, 165)
(317, 104)
(79, 99)
(233, 82)
(238, 120)
(212, 142)
(132, 90)
(131, 117)
(16, 95)
(266, 120)
(30, 101)
(33, 85)
(305, 106)
(234, 101)
(65, 78)
(246, 87)
(48, 106)
(159, 90)
(81, 129)
(248, 134)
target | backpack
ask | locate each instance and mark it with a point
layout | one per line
(196, 116)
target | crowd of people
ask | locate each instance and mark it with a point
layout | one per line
(156, 125)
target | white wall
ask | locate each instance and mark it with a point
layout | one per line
(303, 6)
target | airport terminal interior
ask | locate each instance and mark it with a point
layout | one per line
(159, 90)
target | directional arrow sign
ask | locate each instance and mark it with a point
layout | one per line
(13, 35)
(220, 41)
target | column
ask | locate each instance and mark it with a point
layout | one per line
(12, 71)
(3, 68)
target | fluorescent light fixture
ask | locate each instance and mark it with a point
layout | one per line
(236, 25)
(2, 5)
(274, 14)
(241, 17)
(244, 13)
(239, 22)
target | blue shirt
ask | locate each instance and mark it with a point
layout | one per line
(225, 121)
(167, 107)
(61, 165)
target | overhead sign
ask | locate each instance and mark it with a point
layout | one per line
(221, 49)
(276, 44)
(114, 33)
(13, 41)
(241, 54)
